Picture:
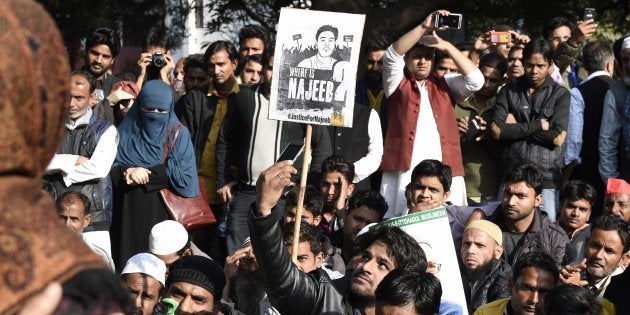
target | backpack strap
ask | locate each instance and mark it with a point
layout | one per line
(169, 145)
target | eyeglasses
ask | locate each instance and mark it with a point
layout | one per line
(560, 39)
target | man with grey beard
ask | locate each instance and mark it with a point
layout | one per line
(613, 153)
(609, 240)
(484, 274)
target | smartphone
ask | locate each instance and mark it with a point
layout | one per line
(291, 152)
(453, 20)
(501, 37)
(589, 14)
(473, 129)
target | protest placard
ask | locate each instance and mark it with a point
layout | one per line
(315, 66)
(432, 231)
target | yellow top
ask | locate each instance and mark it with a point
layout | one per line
(375, 101)
(608, 308)
(207, 169)
(493, 308)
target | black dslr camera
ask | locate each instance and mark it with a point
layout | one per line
(158, 60)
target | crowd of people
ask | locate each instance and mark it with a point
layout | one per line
(524, 142)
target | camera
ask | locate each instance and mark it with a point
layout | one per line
(158, 60)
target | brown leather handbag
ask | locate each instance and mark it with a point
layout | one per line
(193, 212)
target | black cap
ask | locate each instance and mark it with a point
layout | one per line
(200, 271)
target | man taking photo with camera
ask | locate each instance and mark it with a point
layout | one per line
(155, 61)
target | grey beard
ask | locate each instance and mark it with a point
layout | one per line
(480, 273)
(248, 291)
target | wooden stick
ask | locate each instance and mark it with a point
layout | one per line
(298, 215)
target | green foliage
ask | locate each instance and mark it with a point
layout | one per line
(613, 15)
(392, 17)
(76, 19)
(240, 12)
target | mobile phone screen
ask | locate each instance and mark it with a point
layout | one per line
(454, 20)
(500, 37)
(291, 152)
(589, 14)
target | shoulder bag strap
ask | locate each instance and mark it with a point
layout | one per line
(170, 145)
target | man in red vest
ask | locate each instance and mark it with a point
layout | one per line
(421, 120)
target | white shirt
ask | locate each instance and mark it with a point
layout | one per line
(368, 164)
(100, 249)
(99, 164)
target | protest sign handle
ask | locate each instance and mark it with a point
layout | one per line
(298, 215)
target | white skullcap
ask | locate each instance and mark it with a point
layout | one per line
(626, 43)
(147, 264)
(167, 237)
(489, 228)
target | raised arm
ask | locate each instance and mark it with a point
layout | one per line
(411, 38)
(290, 290)
(468, 81)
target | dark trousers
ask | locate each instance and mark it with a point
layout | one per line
(237, 229)
(237, 214)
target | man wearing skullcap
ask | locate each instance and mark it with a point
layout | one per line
(484, 274)
(144, 277)
(170, 241)
(196, 283)
(617, 199)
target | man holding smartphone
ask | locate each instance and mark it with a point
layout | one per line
(421, 120)
(480, 154)
(500, 39)
(565, 40)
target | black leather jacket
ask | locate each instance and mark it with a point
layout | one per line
(526, 141)
(541, 236)
(290, 290)
(491, 288)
